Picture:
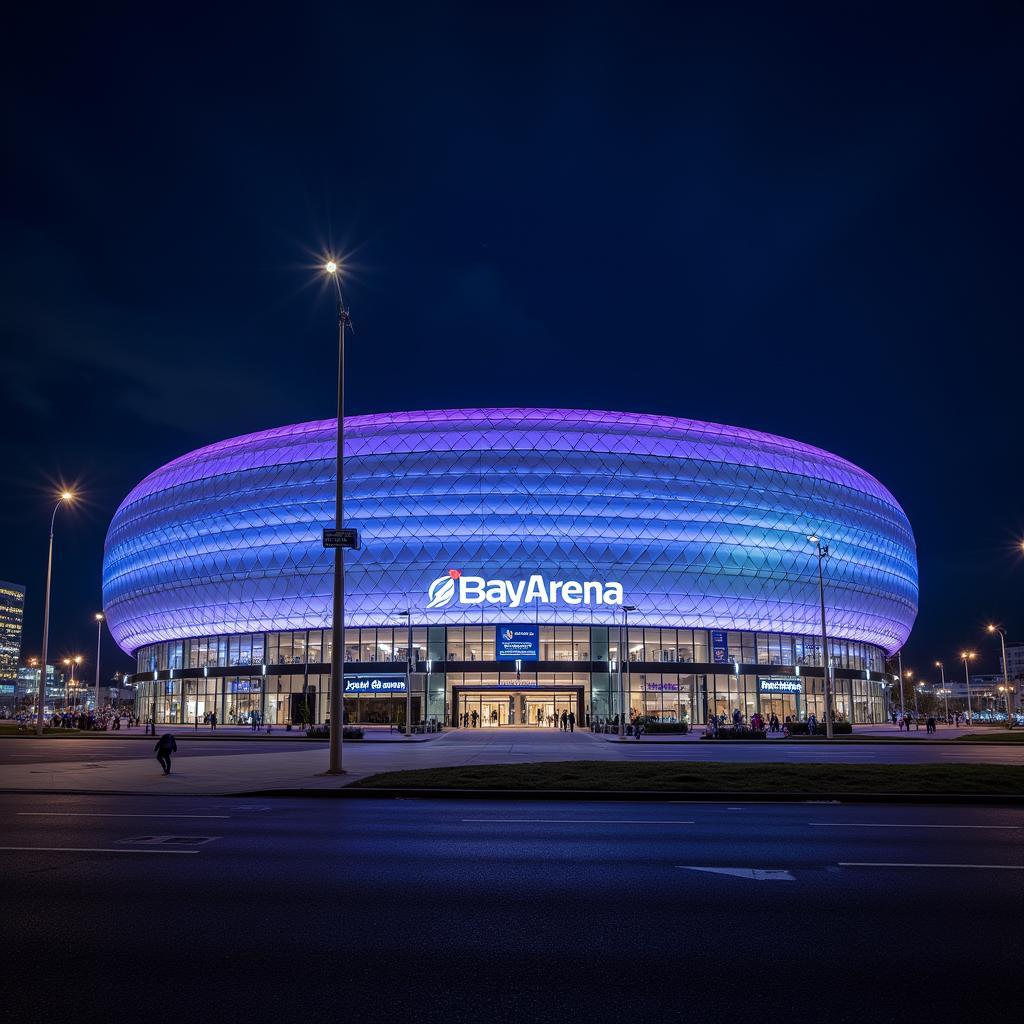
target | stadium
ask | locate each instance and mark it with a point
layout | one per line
(515, 553)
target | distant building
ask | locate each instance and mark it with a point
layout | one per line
(28, 686)
(1014, 660)
(12, 617)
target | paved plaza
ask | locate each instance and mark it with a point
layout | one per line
(247, 764)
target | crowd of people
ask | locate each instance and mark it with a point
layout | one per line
(84, 719)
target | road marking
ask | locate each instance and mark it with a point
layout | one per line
(91, 849)
(757, 874)
(894, 864)
(872, 824)
(87, 814)
(584, 821)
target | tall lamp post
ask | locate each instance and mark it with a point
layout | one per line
(76, 660)
(407, 615)
(338, 603)
(99, 636)
(1006, 674)
(942, 676)
(826, 666)
(903, 700)
(966, 656)
(624, 656)
(65, 497)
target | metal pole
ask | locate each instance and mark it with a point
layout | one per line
(46, 628)
(824, 644)
(625, 615)
(622, 708)
(99, 637)
(1006, 680)
(945, 692)
(967, 680)
(337, 699)
(903, 703)
(408, 679)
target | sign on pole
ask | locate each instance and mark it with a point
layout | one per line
(346, 537)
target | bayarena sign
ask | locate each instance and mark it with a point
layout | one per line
(461, 589)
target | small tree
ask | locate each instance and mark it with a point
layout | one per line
(303, 714)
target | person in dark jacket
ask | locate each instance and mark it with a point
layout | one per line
(165, 746)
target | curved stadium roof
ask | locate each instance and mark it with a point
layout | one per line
(704, 525)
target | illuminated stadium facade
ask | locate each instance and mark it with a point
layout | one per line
(517, 540)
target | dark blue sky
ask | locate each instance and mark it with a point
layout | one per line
(806, 222)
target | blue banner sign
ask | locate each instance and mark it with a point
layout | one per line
(368, 682)
(512, 642)
(720, 647)
(779, 684)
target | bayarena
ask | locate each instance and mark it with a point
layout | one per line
(522, 551)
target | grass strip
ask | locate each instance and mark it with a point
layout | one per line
(691, 777)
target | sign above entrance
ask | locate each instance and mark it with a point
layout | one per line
(364, 682)
(779, 684)
(517, 643)
(459, 588)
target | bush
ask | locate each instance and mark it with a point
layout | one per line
(323, 732)
(676, 728)
(729, 733)
(838, 729)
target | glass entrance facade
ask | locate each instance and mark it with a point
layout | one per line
(670, 676)
(536, 710)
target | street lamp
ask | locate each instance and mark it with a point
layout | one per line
(966, 656)
(826, 667)
(76, 660)
(1006, 673)
(624, 654)
(407, 615)
(945, 692)
(903, 699)
(338, 602)
(99, 636)
(65, 498)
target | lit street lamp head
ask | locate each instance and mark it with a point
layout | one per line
(331, 267)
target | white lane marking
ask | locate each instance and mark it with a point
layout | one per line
(896, 864)
(757, 874)
(873, 824)
(584, 821)
(88, 814)
(92, 849)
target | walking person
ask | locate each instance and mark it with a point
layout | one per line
(213, 721)
(572, 721)
(565, 721)
(165, 746)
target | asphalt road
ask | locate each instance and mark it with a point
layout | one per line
(183, 908)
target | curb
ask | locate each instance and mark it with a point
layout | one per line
(663, 796)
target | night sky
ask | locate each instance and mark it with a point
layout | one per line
(808, 223)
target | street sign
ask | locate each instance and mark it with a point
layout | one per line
(343, 538)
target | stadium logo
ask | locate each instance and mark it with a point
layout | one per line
(475, 590)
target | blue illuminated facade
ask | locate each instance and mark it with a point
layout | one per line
(478, 518)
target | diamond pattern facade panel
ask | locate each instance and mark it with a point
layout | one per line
(703, 525)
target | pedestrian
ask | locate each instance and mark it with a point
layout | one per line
(638, 727)
(213, 721)
(165, 746)
(572, 721)
(565, 721)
